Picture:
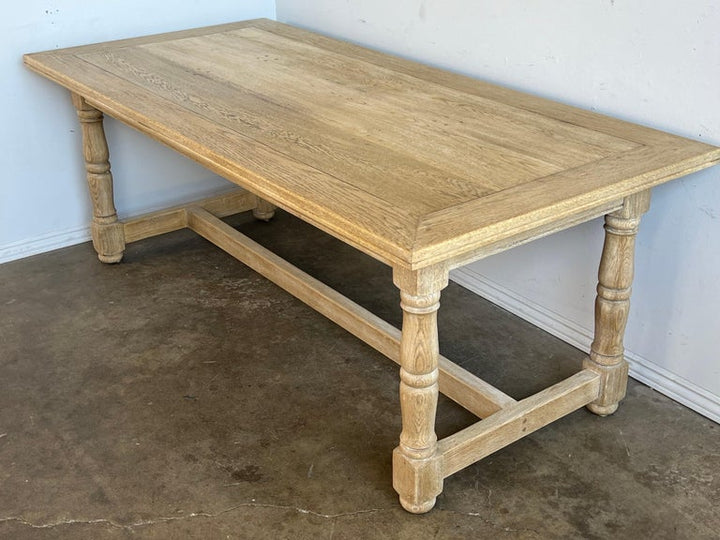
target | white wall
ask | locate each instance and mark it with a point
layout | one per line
(43, 201)
(656, 62)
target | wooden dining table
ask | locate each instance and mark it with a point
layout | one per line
(422, 169)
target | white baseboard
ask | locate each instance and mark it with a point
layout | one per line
(642, 369)
(69, 237)
(43, 243)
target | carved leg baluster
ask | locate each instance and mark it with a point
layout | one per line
(417, 475)
(613, 302)
(107, 231)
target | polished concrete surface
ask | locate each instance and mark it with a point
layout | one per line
(181, 395)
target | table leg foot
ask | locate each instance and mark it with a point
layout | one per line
(612, 304)
(110, 259)
(264, 211)
(418, 482)
(613, 385)
(108, 240)
(603, 411)
(107, 232)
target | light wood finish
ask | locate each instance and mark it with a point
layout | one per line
(264, 211)
(106, 230)
(416, 467)
(613, 302)
(413, 165)
(422, 169)
(468, 390)
(172, 219)
(529, 235)
(516, 421)
(458, 384)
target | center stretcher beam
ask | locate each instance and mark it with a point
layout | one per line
(461, 386)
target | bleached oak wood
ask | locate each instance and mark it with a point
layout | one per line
(410, 164)
(533, 233)
(468, 390)
(516, 421)
(172, 219)
(613, 302)
(421, 169)
(264, 211)
(458, 384)
(416, 466)
(107, 232)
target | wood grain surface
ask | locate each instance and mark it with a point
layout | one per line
(411, 164)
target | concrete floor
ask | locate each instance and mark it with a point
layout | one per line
(181, 395)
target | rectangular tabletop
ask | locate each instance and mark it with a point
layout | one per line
(411, 164)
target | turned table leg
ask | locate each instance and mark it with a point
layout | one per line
(417, 474)
(107, 231)
(613, 302)
(264, 211)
